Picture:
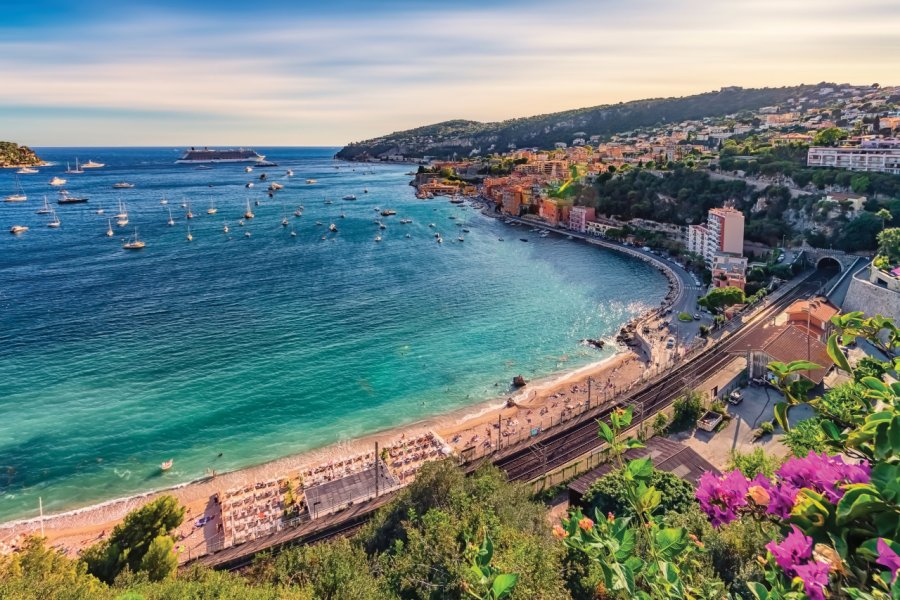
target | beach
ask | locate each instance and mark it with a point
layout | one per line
(535, 405)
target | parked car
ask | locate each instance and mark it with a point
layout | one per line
(670, 343)
(735, 397)
(697, 316)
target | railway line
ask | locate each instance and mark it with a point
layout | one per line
(560, 447)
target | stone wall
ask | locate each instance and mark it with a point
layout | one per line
(871, 299)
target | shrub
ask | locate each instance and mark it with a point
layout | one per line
(608, 494)
(688, 409)
(659, 423)
(685, 317)
(753, 463)
(767, 427)
(805, 437)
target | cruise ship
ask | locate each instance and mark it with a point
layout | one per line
(205, 155)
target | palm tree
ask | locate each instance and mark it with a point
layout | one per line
(885, 216)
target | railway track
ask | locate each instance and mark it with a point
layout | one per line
(580, 437)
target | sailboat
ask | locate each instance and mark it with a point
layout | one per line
(212, 208)
(109, 231)
(171, 221)
(99, 210)
(19, 196)
(190, 237)
(189, 214)
(249, 214)
(225, 228)
(123, 214)
(76, 171)
(45, 209)
(164, 201)
(293, 233)
(55, 223)
(134, 243)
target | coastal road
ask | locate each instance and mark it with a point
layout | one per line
(560, 447)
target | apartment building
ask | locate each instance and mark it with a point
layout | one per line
(729, 271)
(726, 232)
(579, 217)
(875, 155)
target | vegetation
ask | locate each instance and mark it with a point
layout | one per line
(889, 245)
(460, 137)
(754, 463)
(683, 316)
(609, 493)
(721, 298)
(688, 409)
(14, 155)
(140, 543)
(805, 437)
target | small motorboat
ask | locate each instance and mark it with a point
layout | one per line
(17, 229)
(349, 197)
(57, 181)
(289, 173)
(284, 222)
(166, 465)
(27, 171)
(377, 238)
(248, 169)
(249, 184)
(311, 181)
(332, 228)
(123, 185)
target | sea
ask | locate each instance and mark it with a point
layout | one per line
(231, 350)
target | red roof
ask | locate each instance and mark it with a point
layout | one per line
(794, 343)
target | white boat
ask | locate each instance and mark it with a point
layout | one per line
(27, 171)
(19, 195)
(284, 222)
(189, 214)
(248, 169)
(460, 239)
(76, 171)
(332, 228)
(122, 214)
(249, 185)
(190, 237)
(164, 201)
(57, 181)
(289, 173)
(134, 243)
(349, 197)
(17, 229)
(225, 228)
(99, 210)
(249, 214)
(122, 222)
(171, 221)
(311, 181)
(92, 165)
(55, 223)
(109, 231)
(275, 187)
(212, 208)
(166, 465)
(45, 209)
(123, 185)
(377, 238)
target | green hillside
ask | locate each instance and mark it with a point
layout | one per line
(14, 155)
(461, 137)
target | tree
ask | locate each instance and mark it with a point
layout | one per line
(131, 539)
(608, 494)
(160, 561)
(722, 297)
(885, 216)
(830, 136)
(688, 409)
(889, 244)
(753, 463)
(860, 233)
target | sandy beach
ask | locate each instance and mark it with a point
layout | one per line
(472, 430)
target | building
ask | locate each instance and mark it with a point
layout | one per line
(697, 238)
(729, 271)
(881, 156)
(726, 232)
(791, 343)
(579, 217)
(549, 211)
(813, 316)
(855, 202)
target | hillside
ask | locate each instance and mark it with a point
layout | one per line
(14, 155)
(463, 137)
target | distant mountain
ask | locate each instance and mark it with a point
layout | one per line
(461, 137)
(14, 155)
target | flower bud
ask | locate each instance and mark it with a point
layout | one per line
(759, 495)
(559, 532)
(586, 524)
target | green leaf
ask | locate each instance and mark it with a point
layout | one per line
(671, 541)
(605, 432)
(859, 499)
(882, 442)
(895, 434)
(873, 383)
(836, 355)
(758, 590)
(802, 365)
(781, 415)
(830, 430)
(503, 585)
(640, 468)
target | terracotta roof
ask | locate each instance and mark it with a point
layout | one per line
(818, 308)
(794, 343)
(666, 455)
(757, 339)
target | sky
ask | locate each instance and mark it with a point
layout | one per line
(199, 72)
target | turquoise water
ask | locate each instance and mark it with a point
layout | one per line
(112, 361)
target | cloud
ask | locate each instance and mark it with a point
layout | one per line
(295, 77)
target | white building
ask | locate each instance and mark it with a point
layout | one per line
(697, 237)
(877, 155)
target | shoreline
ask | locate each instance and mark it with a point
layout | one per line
(542, 402)
(76, 528)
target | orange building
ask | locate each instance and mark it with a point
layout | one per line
(813, 316)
